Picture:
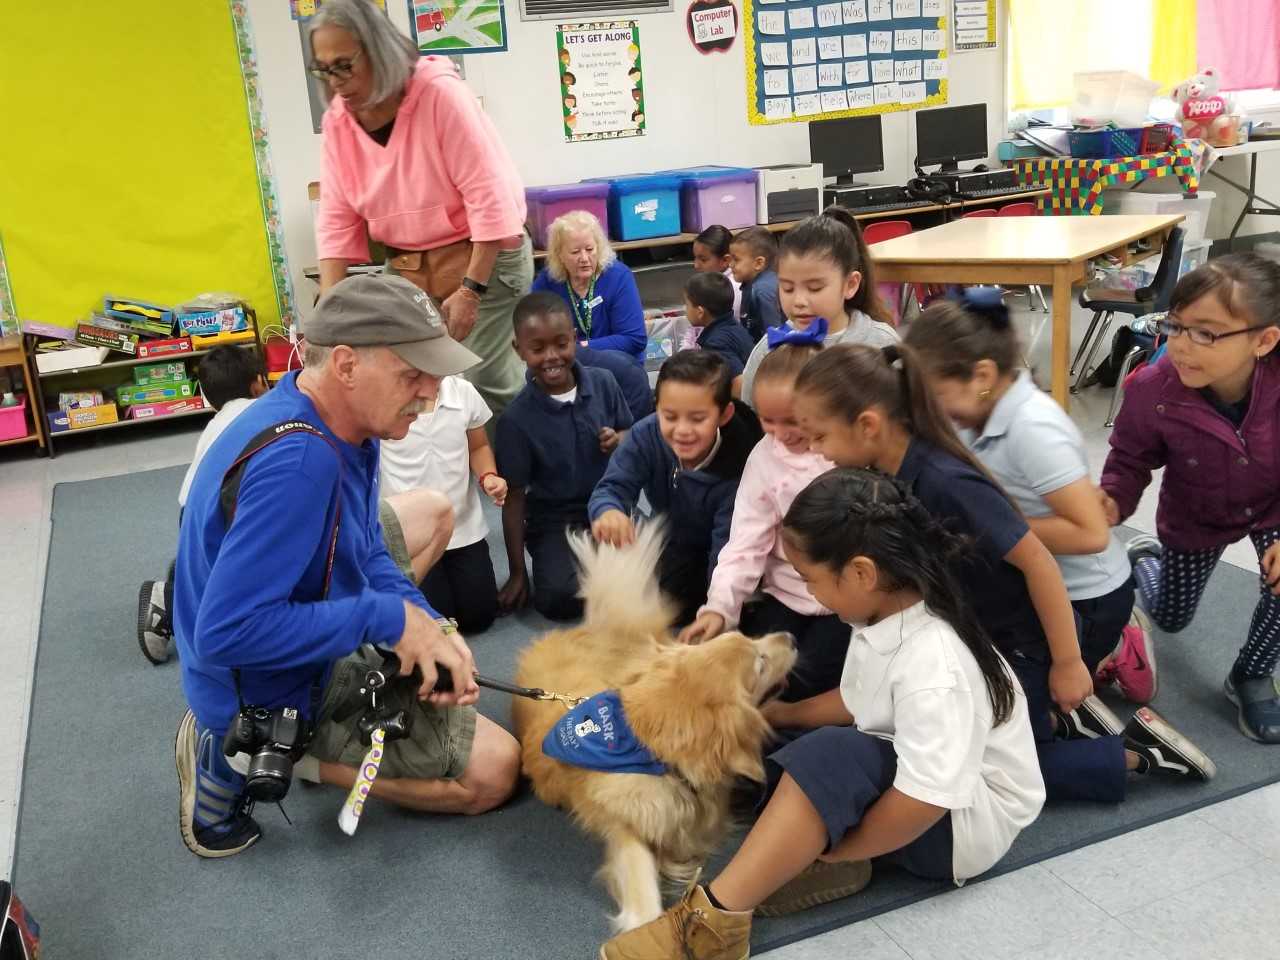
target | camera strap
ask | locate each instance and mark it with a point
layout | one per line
(230, 490)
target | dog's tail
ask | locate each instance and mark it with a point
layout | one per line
(620, 585)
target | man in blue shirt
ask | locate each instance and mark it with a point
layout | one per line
(279, 581)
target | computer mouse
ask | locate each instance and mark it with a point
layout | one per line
(980, 168)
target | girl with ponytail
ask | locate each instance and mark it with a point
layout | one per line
(863, 407)
(826, 276)
(923, 757)
(969, 352)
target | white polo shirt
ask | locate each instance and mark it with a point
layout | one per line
(910, 679)
(435, 454)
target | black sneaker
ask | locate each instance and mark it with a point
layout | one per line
(154, 627)
(1091, 720)
(1258, 704)
(1162, 749)
(234, 835)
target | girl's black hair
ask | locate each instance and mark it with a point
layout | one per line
(835, 235)
(701, 368)
(1247, 285)
(716, 239)
(850, 378)
(847, 513)
(950, 337)
(711, 291)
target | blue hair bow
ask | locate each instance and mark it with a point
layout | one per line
(813, 335)
(987, 302)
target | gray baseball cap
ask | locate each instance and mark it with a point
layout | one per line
(385, 310)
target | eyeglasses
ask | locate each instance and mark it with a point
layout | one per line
(1199, 336)
(339, 69)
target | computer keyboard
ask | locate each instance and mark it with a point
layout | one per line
(899, 205)
(998, 192)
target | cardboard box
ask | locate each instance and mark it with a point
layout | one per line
(93, 416)
(220, 339)
(207, 322)
(69, 358)
(156, 373)
(165, 408)
(97, 335)
(54, 331)
(154, 349)
(128, 395)
(59, 420)
(141, 314)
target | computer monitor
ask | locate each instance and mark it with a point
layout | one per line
(950, 134)
(845, 147)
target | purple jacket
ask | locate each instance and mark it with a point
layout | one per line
(1219, 482)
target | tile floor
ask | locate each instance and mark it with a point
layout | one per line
(1200, 886)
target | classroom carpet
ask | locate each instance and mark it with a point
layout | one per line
(101, 866)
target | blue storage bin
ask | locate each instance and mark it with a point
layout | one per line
(712, 194)
(642, 206)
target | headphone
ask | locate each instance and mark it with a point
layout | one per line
(926, 187)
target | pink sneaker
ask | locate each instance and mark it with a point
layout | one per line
(1133, 666)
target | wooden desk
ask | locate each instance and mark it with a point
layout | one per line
(1053, 251)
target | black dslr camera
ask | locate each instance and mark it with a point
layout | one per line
(274, 739)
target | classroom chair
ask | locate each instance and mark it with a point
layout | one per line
(1026, 208)
(1146, 349)
(895, 294)
(1105, 304)
(984, 212)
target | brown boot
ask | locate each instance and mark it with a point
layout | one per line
(691, 930)
(820, 882)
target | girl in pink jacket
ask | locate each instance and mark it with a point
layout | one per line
(778, 469)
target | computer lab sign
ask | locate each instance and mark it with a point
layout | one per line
(712, 24)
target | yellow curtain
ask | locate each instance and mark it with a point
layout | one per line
(128, 164)
(1050, 40)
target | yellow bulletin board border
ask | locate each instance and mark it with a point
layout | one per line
(751, 71)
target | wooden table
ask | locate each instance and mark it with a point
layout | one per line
(1053, 251)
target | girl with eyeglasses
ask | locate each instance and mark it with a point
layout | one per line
(1209, 413)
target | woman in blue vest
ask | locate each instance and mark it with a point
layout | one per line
(599, 288)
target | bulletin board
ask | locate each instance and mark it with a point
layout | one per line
(147, 185)
(818, 60)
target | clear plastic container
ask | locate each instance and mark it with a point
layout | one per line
(1111, 96)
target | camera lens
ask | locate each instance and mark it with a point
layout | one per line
(270, 772)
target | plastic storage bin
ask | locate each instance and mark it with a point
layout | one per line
(1194, 255)
(546, 204)
(1195, 209)
(1111, 96)
(710, 195)
(643, 206)
(1105, 144)
(13, 421)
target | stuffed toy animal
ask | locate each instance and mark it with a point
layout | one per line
(1203, 112)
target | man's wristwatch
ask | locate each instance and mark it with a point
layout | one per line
(475, 286)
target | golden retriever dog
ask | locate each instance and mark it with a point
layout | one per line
(696, 708)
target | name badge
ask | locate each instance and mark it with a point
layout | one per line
(594, 302)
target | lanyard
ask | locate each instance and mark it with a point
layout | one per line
(582, 307)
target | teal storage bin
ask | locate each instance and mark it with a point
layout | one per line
(643, 206)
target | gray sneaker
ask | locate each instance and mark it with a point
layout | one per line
(154, 628)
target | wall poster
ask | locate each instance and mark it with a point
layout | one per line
(975, 24)
(458, 26)
(601, 80)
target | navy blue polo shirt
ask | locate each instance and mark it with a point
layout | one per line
(969, 504)
(552, 449)
(726, 336)
(632, 379)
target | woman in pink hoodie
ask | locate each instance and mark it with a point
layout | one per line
(410, 160)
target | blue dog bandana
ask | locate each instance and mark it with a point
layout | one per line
(595, 735)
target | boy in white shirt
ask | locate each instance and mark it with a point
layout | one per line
(230, 379)
(444, 450)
